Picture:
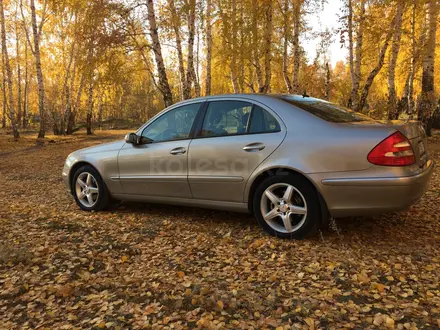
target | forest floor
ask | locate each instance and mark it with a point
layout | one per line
(150, 266)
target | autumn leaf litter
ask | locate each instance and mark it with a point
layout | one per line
(151, 266)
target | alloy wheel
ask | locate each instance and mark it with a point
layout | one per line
(86, 188)
(283, 207)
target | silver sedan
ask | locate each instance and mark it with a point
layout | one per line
(292, 161)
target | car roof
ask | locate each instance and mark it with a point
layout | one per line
(253, 96)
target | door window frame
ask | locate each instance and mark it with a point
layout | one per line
(204, 110)
(172, 108)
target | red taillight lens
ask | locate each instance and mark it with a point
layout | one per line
(395, 150)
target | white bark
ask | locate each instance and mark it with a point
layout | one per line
(10, 99)
(208, 47)
(397, 33)
(163, 80)
(427, 101)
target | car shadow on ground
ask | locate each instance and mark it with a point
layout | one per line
(352, 229)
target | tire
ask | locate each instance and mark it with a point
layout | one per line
(93, 185)
(297, 216)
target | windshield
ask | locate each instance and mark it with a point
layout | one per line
(325, 110)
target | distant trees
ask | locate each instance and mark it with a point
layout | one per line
(76, 63)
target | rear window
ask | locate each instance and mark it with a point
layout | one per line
(325, 110)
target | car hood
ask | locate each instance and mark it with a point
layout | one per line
(110, 146)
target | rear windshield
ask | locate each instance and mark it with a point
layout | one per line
(325, 110)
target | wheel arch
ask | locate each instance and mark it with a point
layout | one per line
(325, 215)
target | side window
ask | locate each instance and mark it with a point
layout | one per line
(226, 118)
(174, 125)
(263, 122)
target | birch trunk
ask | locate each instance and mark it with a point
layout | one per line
(185, 91)
(41, 94)
(351, 51)
(163, 80)
(208, 47)
(68, 90)
(296, 46)
(267, 47)
(397, 33)
(409, 96)
(10, 98)
(90, 109)
(376, 70)
(256, 43)
(427, 101)
(17, 59)
(327, 81)
(233, 65)
(5, 106)
(406, 103)
(191, 73)
(26, 86)
(286, 36)
(356, 75)
(71, 120)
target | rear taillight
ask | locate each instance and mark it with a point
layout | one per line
(395, 150)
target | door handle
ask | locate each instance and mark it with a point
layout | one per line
(253, 147)
(178, 151)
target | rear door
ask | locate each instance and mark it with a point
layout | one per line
(233, 139)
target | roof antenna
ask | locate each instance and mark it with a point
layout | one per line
(305, 94)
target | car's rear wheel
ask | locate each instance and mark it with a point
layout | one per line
(287, 206)
(89, 189)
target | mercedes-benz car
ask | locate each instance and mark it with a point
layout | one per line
(292, 161)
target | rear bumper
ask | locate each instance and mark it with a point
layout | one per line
(371, 195)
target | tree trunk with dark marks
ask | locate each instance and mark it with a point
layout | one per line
(427, 101)
(267, 47)
(185, 91)
(41, 93)
(163, 80)
(395, 46)
(363, 99)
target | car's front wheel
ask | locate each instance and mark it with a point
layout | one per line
(287, 206)
(89, 189)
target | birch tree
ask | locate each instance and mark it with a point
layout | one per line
(363, 98)
(164, 85)
(37, 30)
(185, 90)
(208, 27)
(191, 77)
(267, 46)
(355, 55)
(296, 46)
(9, 85)
(256, 42)
(286, 38)
(395, 46)
(427, 100)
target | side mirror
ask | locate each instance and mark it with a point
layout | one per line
(132, 138)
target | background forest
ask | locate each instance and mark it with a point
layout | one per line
(74, 63)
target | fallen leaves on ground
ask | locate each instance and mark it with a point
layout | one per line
(149, 266)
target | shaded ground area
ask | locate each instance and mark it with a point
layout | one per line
(147, 266)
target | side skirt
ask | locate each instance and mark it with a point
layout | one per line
(207, 204)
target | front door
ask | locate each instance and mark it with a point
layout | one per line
(160, 168)
(236, 137)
